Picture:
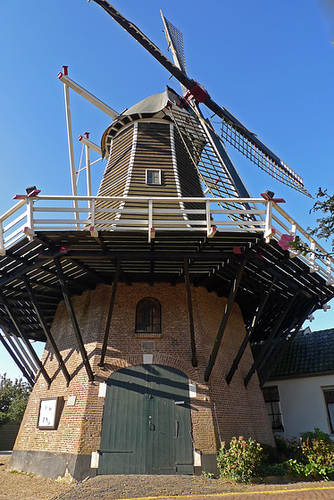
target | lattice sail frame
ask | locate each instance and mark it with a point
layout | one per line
(279, 171)
(212, 171)
(175, 42)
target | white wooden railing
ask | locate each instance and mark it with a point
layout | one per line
(81, 213)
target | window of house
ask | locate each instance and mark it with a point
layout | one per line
(329, 400)
(148, 316)
(271, 398)
(153, 176)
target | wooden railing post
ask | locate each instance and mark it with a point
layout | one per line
(29, 228)
(92, 229)
(208, 217)
(2, 243)
(269, 230)
(151, 230)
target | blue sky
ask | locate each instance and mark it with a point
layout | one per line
(269, 63)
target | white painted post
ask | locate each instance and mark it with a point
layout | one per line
(70, 144)
(293, 233)
(29, 228)
(88, 176)
(2, 243)
(269, 230)
(151, 231)
(92, 229)
(313, 266)
(208, 218)
(330, 279)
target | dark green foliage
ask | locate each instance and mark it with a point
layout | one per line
(311, 457)
(13, 399)
(315, 458)
(269, 453)
(317, 434)
(324, 204)
(279, 469)
(325, 224)
(287, 449)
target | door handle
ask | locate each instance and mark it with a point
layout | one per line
(177, 427)
(150, 424)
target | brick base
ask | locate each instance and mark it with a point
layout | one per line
(217, 410)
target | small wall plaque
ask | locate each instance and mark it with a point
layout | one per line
(49, 412)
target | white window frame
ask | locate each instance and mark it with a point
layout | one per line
(153, 170)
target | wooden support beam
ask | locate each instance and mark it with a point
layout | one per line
(264, 351)
(23, 270)
(190, 313)
(46, 328)
(111, 308)
(24, 337)
(19, 354)
(227, 312)
(256, 318)
(152, 264)
(135, 256)
(27, 356)
(16, 361)
(87, 269)
(271, 363)
(70, 310)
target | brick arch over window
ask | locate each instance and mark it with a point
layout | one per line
(148, 316)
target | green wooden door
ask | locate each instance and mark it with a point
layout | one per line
(146, 423)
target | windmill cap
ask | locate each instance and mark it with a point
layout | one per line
(147, 108)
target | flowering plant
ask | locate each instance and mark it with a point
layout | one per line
(241, 460)
(286, 241)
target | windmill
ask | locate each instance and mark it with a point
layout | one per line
(150, 294)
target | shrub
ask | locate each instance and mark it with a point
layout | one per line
(317, 434)
(280, 469)
(287, 449)
(269, 453)
(241, 460)
(316, 456)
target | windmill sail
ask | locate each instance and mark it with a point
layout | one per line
(175, 43)
(214, 165)
(212, 162)
(233, 130)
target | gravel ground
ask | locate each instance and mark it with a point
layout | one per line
(164, 487)
(15, 486)
(18, 486)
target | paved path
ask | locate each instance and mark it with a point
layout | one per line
(191, 488)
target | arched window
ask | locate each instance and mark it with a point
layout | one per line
(148, 316)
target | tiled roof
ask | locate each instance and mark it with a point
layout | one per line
(310, 353)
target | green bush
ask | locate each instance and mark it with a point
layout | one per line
(241, 460)
(287, 449)
(269, 453)
(317, 459)
(271, 469)
(317, 434)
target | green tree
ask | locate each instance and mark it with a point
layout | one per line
(324, 227)
(13, 399)
(325, 224)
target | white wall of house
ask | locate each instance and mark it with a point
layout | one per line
(302, 403)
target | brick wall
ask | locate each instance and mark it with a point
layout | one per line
(239, 410)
